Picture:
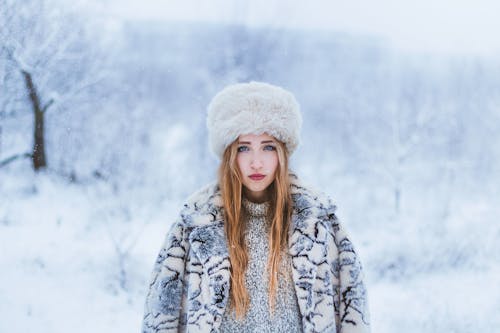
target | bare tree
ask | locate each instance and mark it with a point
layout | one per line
(53, 57)
(400, 120)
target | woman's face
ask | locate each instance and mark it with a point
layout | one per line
(257, 160)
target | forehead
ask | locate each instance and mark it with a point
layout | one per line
(255, 138)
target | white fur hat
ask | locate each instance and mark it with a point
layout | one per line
(253, 108)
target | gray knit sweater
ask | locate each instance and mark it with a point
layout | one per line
(286, 316)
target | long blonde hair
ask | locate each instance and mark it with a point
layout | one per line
(230, 182)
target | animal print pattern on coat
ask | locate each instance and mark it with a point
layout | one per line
(189, 285)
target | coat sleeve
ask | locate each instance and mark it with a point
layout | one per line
(353, 312)
(162, 308)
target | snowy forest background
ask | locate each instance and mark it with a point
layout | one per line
(406, 143)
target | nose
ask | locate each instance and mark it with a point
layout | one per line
(256, 161)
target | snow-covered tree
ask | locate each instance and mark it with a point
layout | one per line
(50, 57)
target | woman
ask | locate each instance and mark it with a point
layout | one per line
(256, 251)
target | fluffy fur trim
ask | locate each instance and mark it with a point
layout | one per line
(253, 108)
(190, 284)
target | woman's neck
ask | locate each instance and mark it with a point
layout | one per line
(256, 197)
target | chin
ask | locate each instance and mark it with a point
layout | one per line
(258, 188)
(255, 187)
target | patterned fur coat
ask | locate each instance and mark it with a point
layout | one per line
(190, 283)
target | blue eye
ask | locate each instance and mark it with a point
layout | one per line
(270, 148)
(242, 148)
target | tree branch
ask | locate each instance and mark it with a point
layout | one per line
(13, 158)
(49, 103)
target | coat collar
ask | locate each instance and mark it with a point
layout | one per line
(205, 208)
(204, 214)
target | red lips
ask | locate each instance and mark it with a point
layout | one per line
(257, 176)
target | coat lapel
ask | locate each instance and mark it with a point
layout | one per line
(209, 245)
(301, 243)
(208, 242)
(308, 249)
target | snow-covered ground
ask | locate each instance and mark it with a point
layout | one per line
(406, 143)
(77, 258)
(60, 262)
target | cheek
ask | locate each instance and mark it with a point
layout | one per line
(240, 162)
(273, 163)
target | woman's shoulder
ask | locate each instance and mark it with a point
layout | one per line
(203, 206)
(207, 192)
(306, 195)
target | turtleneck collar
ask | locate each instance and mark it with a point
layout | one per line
(255, 209)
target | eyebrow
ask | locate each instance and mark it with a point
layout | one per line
(248, 142)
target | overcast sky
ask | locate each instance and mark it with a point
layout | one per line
(446, 26)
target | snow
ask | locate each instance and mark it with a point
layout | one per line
(59, 262)
(60, 266)
(406, 145)
(443, 302)
(55, 261)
